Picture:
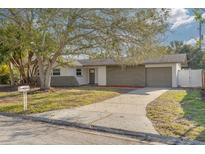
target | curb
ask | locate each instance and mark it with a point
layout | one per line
(133, 134)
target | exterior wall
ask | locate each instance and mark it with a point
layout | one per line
(64, 71)
(129, 76)
(190, 78)
(71, 71)
(175, 68)
(102, 75)
(82, 80)
(64, 81)
(115, 75)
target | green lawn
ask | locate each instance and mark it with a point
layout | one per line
(179, 113)
(58, 98)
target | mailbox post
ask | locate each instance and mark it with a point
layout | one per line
(24, 89)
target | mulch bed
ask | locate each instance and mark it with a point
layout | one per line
(8, 88)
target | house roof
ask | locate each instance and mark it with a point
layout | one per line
(175, 58)
(97, 62)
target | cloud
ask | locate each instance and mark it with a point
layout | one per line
(180, 17)
(203, 15)
(191, 42)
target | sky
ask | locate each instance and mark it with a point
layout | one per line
(183, 26)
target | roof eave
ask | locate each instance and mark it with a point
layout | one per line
(164, 62)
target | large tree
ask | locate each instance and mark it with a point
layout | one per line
(117, 33)
(16, 52)
(200, 19)
(194, 55)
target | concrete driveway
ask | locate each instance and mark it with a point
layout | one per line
(127, 111)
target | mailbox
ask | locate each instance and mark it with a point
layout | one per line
(24, 89)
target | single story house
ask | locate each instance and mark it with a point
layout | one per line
(157, 72)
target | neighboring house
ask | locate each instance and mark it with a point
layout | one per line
(160, 72)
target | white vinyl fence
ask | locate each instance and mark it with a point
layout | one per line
(190, 78)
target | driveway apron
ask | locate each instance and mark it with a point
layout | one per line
(127, 111)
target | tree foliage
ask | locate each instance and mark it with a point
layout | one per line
(4, 74)
(200, 19)
(50, 33)
(194, 56)
(15, 51)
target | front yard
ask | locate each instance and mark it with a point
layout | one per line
(179, 113)
(57, 98)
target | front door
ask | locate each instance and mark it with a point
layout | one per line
(92, 76)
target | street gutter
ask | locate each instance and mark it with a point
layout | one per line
(139, 135)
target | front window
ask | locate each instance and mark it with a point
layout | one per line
(56, 72)
(78, 72)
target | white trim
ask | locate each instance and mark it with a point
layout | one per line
(102, 76)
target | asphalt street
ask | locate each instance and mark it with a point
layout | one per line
(18, 131)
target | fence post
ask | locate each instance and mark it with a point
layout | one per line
(189, 77)
(203, 80)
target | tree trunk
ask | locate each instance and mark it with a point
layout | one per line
(41, 72)
(11, 73)
(44, 74)
(23, 76)
(200, 35)
(47, 83)
(45, 79)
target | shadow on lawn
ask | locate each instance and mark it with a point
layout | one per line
(99, 88)
(194, 110)
(121, 90)
(84, 88)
